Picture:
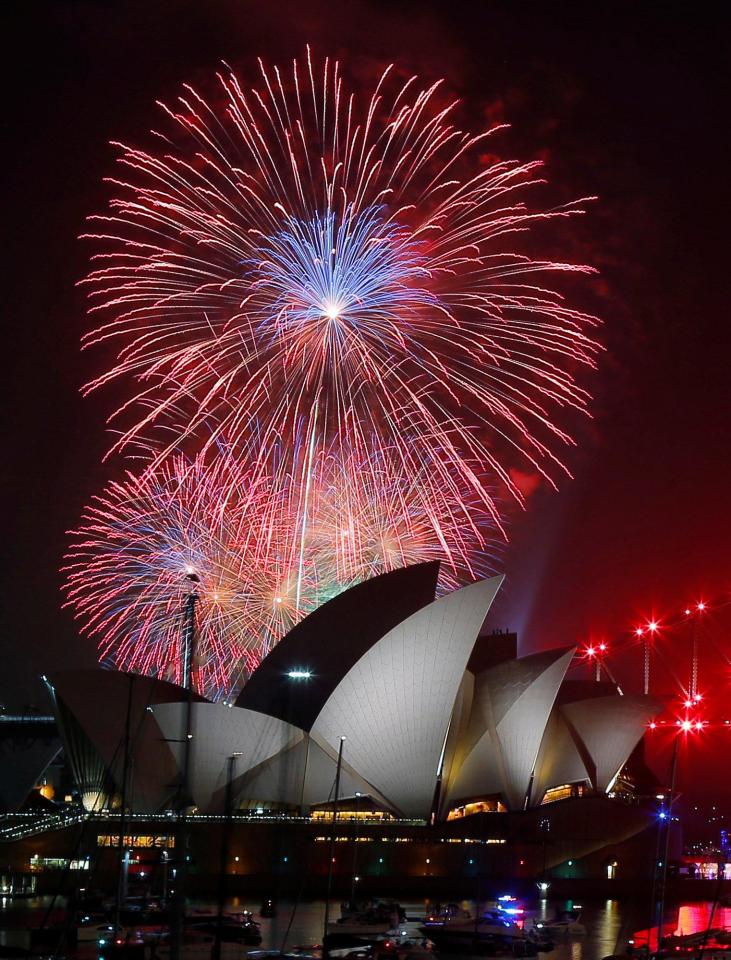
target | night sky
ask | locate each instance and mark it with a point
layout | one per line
(622, 100)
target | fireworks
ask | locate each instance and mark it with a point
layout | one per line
(367, 521)
(149, 541)
(295, 262)
(337, 286)
(256, 562)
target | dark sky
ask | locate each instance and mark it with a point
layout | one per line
(622, 100)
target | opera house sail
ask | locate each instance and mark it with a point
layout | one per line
(428, 730)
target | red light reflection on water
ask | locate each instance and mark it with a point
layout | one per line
(694, 917)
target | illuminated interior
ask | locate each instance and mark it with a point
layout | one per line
(564, 792)
(488, 805)
(324, 815)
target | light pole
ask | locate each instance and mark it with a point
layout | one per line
(225, 838)
(123, 859)
(685, 726)
(596, 653)
(666, 848)
(699, 609)
(332, 840)
(164, 860)
(189, 628)
(354, 879)
(178, 904)
(646, 634)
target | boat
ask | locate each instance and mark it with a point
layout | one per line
(370, 917)
(195, 944)
(565, 923)
(268, 908)
(94, 931)
(232, 930)
(491, 932)
(280, 955)
(402, 944)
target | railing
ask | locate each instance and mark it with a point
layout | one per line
(19, 826)
(25, 718)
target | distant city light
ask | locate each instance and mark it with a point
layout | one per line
(299, 674)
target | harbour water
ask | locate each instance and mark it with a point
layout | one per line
(610, 924)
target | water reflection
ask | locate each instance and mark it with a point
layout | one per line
(609, 924)
(696, 917)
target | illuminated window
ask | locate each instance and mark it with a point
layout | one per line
(41, 864)
(563, 792)
(612, 870)
(477, 806)
(358, 808)
(144, 841)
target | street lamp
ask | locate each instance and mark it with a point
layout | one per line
(225, 838)
(332, 838)
(665, 819)
(355, 879)
(646, 634)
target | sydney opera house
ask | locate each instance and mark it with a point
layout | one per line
(384, 707)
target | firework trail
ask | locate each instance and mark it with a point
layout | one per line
(367, 521)
(295, 265)
(129, 566)
(338, 351)
(128, 570)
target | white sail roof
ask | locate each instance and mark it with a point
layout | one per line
(511, 704)
(610, 728)
(394, 705)
(220, 733)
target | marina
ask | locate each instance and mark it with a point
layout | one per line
(611, 928)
